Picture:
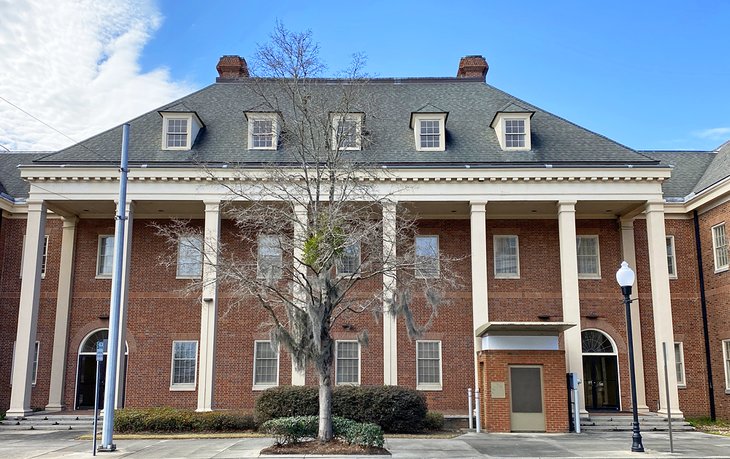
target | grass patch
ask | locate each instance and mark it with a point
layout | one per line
(717, 427)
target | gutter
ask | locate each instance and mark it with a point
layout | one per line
(703, 303)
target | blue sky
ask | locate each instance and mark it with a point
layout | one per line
(651, 75)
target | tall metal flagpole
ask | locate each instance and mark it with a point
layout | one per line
(111, 365)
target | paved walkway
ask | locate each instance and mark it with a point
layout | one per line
(39, 444)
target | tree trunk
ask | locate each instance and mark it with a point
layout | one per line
(325, 406)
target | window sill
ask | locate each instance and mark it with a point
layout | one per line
(721, 270)
(347, 384)
(431, 149)
(258, 387)
(189, 277)
(506, 277)
(263, 148)
(727, 391)
(586, 277)
(103, 276)
(672, 277)
(681, 386)
(429, 387)
(182, 388)
(176, 148)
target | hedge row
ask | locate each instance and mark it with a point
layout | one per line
(131, 420)
(297, 428)
(395, 409)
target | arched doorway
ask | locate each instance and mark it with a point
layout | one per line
(86, 370)
(600, 371)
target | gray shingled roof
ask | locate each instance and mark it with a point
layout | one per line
(10, 182)
(687, 169)
(717, 170)
(471, 105)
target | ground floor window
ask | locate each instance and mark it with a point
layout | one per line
(184, 365)
(34, 375)
(265, 365)
(726, 357)
(679, 363)
(347, 365)
(428, 365)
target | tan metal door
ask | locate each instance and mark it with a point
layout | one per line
(527, 410)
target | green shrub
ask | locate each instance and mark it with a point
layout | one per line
(294, 429)
(433, 421)
(130, 420)
(395, 409)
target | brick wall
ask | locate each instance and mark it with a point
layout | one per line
(494, 367)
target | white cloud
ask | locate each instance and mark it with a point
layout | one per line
(74, 64)
(720, 133)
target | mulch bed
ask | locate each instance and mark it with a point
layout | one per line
(334, 447)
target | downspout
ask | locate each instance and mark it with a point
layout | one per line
(703, 303)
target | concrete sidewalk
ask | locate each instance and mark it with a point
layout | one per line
(39, 444)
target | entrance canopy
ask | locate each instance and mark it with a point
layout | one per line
(521, 335)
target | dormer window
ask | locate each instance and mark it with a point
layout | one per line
(347, 131)
(513, 129)
(263, 131)
(179, 130)
(429, 130)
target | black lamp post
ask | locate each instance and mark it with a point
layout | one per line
(625, 277)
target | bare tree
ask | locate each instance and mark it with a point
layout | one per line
(314, 219)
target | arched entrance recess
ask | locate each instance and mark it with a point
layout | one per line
(86, 370)
(600, 371)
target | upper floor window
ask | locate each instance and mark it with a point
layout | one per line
(179, 130)
(190, 257)
(719, 245)
(349, 262)
(44, 258)
(347, 365)
(427, 256)
(263, 131)
(671, 258)
(184, 365)
(265, 365)
(347, 131)
(506, 257)
(589, 263)
(105, 256)
(269, 261)
(513, 128)
(429, 130)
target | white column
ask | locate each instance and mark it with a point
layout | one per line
(28, 310)
(206, 373)
(390, 322)
(301, 217)
(662, 305)
(63, 303)
(569, 289)
(628, 249)
(479, 299)
(123, 307)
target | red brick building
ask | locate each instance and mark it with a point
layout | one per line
(541, 211)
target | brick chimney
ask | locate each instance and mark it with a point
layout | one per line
(232, 68)
(473, 67)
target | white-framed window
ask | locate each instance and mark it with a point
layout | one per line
(513, 130)
(589, 262)
(349, 262)
(430, 131)
(184, 369)
(263, 131)
(44, 259)
(427, 256)
(347, 364)
(428, 365)
(719, 246)
(679, 363)
(105, 256)
(179, 130)
(347, 131)
(726, 361)
(190, 257)
(34, 374)
(514, 133)
(506, 257)
(265, 366)
(671, 258)
(269, 260)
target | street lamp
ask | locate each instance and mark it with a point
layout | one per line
(625, 277)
